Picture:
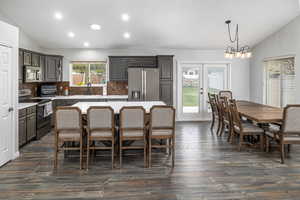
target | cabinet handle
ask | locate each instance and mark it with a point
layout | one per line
(10, 109)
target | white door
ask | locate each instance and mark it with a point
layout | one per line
(5, 104)
(195, 80)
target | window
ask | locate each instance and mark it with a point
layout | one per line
(83, 73)
(280, 84)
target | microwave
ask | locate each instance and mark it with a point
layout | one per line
(32, 74)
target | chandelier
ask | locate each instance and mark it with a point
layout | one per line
(235, 50)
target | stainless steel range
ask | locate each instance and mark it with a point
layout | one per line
(43, 115)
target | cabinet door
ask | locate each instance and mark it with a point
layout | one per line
(166, 91)
(165, 64)
(21, 65)
(50, 72)
(22, 131)
(43, 65)
(118, 69)
(27, 58)
(31, 126)
(142, 61)
(35, 59)
(58, 65)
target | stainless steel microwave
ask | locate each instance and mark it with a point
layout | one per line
(33, 74)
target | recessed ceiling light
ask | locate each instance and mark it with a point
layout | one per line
(86, 44)
(125, 17)
(126, 35)
(58, 16)
(95, 27)
(71, 34)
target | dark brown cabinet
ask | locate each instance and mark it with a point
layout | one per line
(118, 65)
(35, 60)
(50, 65)
(27, 125)
(165, 64)
(166, 91)
(27, 58)
(31, 126)
(22, 127)
(42, 64)
(53, 69)
(21, 64)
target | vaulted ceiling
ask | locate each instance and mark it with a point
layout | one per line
(195, 24)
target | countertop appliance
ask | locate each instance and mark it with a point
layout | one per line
(143, 84)
(47, 90)
(32, 74)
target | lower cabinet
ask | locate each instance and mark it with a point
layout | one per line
(166, 91)
(31, 126)
(22, 131)
(27, 125)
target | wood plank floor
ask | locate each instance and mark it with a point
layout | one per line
(207, 167)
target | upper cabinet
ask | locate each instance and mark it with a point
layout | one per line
(50, 65)
(21, 64)
(53, 69)
(27, 58)
(118, 65)
(165, 64)
(35, 60)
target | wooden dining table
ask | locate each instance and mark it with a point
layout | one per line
(260, 113)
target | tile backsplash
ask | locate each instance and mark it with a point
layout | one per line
(117, 88)
(113, 88)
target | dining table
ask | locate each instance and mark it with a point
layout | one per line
(260, 113)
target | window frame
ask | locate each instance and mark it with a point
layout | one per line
(265, 73)
(89, 73)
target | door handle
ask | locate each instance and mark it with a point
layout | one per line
(10, 109)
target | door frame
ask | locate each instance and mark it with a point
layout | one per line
(10, 139)
(10, 38)
(197, 117)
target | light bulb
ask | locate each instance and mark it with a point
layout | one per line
(243, 55)
(238, 54)
(226, 55)
(231, 55)
(248, 54)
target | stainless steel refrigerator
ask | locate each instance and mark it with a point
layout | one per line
(143, 84)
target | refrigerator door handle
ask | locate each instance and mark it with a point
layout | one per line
(142, 94)
(145, 91)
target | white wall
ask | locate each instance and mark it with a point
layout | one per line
(285, 42)
(25, 41)
(239, 70)
(9, 35)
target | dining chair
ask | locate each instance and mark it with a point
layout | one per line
(227, 119)
(214, 110)
(289, 132)
(68, 128)
(100, 127)
(132, 128)
(225, 93)
(219, 104)
(162, 127)
(244, 128)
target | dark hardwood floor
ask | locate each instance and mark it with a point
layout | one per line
(206, 167)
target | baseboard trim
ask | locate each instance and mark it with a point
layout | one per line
(16, 155)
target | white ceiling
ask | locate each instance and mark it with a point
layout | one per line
(153, 24)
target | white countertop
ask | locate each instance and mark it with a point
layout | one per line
(117, 105)
(25, 105)
(85, 97)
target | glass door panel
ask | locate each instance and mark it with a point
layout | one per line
(190, 90)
